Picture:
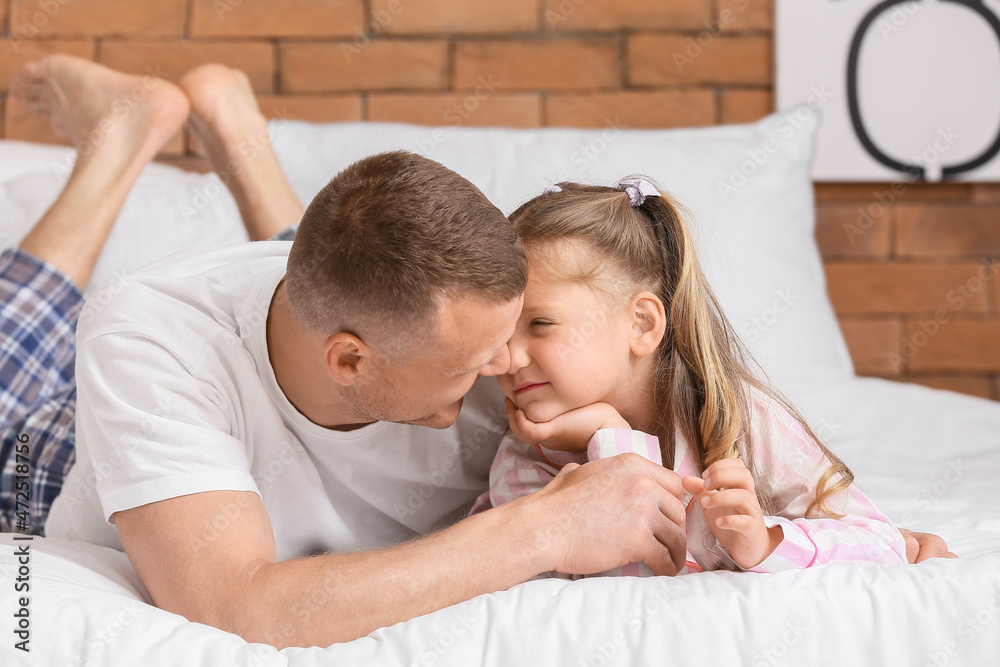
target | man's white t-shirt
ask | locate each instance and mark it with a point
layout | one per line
(176, 395)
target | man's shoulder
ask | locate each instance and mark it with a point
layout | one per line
(183, 289)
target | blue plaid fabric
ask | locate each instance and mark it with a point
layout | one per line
(39, 307)
(38, 315)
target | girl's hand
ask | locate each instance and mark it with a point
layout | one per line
(570, 431)
(727, 494)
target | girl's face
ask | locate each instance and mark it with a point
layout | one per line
(570, 347)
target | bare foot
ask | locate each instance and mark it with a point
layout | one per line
(92, 106)
(118, 123)
(227, 123)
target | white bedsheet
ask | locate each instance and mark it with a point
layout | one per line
(931, 455)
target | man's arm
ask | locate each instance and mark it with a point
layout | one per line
(211, 556)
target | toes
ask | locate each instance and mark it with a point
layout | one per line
(28, 73)
(31, 95)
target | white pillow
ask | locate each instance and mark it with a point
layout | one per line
(747, 187)
(168, 210)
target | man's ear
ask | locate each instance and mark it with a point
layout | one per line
(649, 323)
(346, 357)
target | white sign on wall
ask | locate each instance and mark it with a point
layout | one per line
(907, 89)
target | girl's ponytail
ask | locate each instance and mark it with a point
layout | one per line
(704, 371)
(697, 373)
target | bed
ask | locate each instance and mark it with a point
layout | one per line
(929, 458)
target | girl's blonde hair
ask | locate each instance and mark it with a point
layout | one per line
(703, 369)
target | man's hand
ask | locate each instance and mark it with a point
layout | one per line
(606, 513)
(921, 546)
(211, 556)
(570, 431)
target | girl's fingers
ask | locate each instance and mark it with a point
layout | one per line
(730, 478)
(532, 431)
(738, 522)
(739, 501)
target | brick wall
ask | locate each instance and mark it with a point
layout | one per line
(903, 261)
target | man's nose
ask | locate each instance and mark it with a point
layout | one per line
(499, 364)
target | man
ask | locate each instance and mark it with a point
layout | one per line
(242, 409)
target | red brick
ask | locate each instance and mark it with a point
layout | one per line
(615, 14)
(632, 109)
(745, 106)
(172, 60)
(99, 17)
(878, 287)
(845, 230)
(658, 59)
(957, 345)
(734, 15)
(23, 125)
(973, 385)
(996, 292)
(312, 108)
(889, 194)
(277, 18)
(379, 65)
(452, 16)
(871, 342)
(25, 51)
(539, 64)
(517, 110)
(948, 231)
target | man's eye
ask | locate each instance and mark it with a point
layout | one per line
(540, 323)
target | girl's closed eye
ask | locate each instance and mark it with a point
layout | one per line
(540, 323)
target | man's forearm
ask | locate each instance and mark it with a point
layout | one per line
(342, 596)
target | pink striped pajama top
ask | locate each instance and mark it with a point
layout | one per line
(793, 464)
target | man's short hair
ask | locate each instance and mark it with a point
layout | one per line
(389, 237)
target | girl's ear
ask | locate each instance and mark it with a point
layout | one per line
(649, 323)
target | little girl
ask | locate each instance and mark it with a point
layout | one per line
(622, 347)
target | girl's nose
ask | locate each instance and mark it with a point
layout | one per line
(518, 353)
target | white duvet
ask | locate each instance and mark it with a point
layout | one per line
(928, 457)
